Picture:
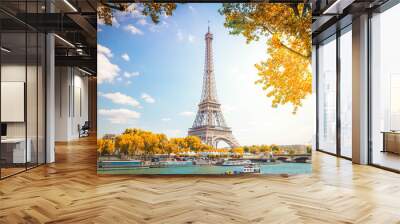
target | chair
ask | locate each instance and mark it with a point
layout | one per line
(84, 130)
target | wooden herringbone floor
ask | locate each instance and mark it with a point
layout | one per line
(69, 191)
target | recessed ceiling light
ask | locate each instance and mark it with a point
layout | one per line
(64, 40)
(5, 50)
(70, 5)
(84, 71)
(337, 7)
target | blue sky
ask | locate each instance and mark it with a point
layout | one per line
(150, 77)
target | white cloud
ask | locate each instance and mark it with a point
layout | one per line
(166, 119)
(119, 116)
(131, 74)
(157, 27)
(192, 9)
(104, 50)
(131, 28)
(125, 56)
(120, 98)
(179, 34)
(147, 98)
(133, 11)
(183, 37)
(142, 22)
(115, 22)
(187, 113)
(191, 38)
(107, 71)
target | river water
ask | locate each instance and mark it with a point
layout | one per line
(278, 168)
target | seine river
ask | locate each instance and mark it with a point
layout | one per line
(279, 168)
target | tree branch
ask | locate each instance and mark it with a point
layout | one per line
(295, 9)
(111, 5)
(287, 47)
(306, 8)
(293, 51)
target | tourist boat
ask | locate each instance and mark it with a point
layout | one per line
(171, 164)
(120, 163)
(236, 163)
(251, 169)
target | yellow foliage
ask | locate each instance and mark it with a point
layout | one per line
(105, 146)
(238, 150)
(286, 74)
(135, 141)
(106, 10)
(193, 143)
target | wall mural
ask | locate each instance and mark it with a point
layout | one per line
(222, 89)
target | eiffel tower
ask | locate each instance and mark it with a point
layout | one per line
(210, 124)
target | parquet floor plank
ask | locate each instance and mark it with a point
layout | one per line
(70, 191)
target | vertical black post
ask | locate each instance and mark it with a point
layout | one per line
(26, 86)
(45, 89)
(1, 164)
(317, 96)
(369, 90)
(338, 81)
(37, 87)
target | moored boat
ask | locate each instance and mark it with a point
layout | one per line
(119, 163)
(251, 169)
(236, 163)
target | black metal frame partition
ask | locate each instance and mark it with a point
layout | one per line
(44, 93)
(382, 8)
(389, 4)
(337, 34)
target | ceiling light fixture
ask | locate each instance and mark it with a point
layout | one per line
(64, 40)
(70, 5)
(337, 7)
(5, 50)
(84, 71)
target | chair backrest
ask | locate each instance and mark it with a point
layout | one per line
(86, 124)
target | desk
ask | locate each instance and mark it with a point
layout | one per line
(13, 150)
(391, 142)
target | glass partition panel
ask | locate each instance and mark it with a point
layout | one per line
(327, 96)
(22, 67)
(41, 99)
(346, 94)
(14, 154)
(31, 98)
(385, 89)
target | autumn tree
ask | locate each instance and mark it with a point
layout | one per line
(274, 148)
(180, 143)
(193, 143)
(130, 144)
(151, 143)
(162, 142)
(286, 73)
(265, 148)
(106, 10)
(105, 146)
(170, 148)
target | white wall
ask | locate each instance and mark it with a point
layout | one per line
(71, 94)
